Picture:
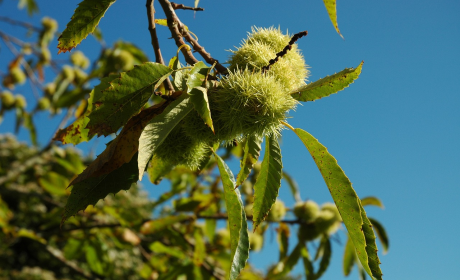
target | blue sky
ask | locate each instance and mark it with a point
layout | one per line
(393, 131)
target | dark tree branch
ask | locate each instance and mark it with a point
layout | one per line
(294, 38)
(155, 43)
(178, 31)
(183, 7)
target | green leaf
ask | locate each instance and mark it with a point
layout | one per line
(157, 169)
(200, 250)
(158, 248)
(372, 200)
(77, 131)
(94, 258)
(332, 11)
(53, 183)
(328, 85)
(325, 260)
(349, 257)
(157, 225)
(159, 127)
(283, 239)
(268, 182)
(347, 201)
(381, 233)
(125, 97)
(238, 226)
(29, 124)
(199, 98)
(292, 186)
(307, 264)
(197, 76)
(73, 248)
(83, 22)
(92, 189)
(251, 152)
(290, 262)
(31, 6)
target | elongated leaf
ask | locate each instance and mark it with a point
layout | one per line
(199, 98)
(239, 239)
(158, 248)
(349, 257)
(292, 186)
(290, 262)
(328, 85)
(251, 152)
(347, 202)
(326, 259)
(372, 200)
(159, 127)
(332, 11)
(157, 169)
(307, 264)
(91, 190)
(157, 225)
(268, 182)
(84, 20)
(283, 239)
(122, 148)
(77, 131)
(125, 97)
(54, 183)
(381, 233)
(200, 250)
(197, 76)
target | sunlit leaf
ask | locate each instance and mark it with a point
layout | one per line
(159, 248)
(91, 190)
(83, 22)
(332, 11)
(372, 200)
(159, 127)
(328, 85)
(347, 201)
(30, 5)
(251, 152)
(31, 235)
(125, 97)
(349, 257)
(268, 182)
(381, 233)
(325, 260)
(157, 225)
(199, 98)
(239, 238)
(197, 75)
(54, 183)
(200, 250)
(95, 258)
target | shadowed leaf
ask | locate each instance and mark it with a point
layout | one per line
(158, 129)
(283, 239)
(328, 85)
(84, 20)
(347, 201)
(199, 98)
(125, 97)
(332, 11)
(307, 264)
(251, 152)
(91, 190)
(326, 259)
(381, 233)
(157, 169)
(238, 226)
(268, 182)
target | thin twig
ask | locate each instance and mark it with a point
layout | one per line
(183, 7)
(178, 31)
(154, 38)
(20, 23)
(294, 38)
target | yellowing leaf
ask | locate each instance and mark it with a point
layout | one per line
(332, 11)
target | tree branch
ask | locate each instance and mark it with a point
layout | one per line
(183, 7)
(20, 23)
(155, 43)
(178, 31)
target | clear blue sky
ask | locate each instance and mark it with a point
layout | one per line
(393, 131)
